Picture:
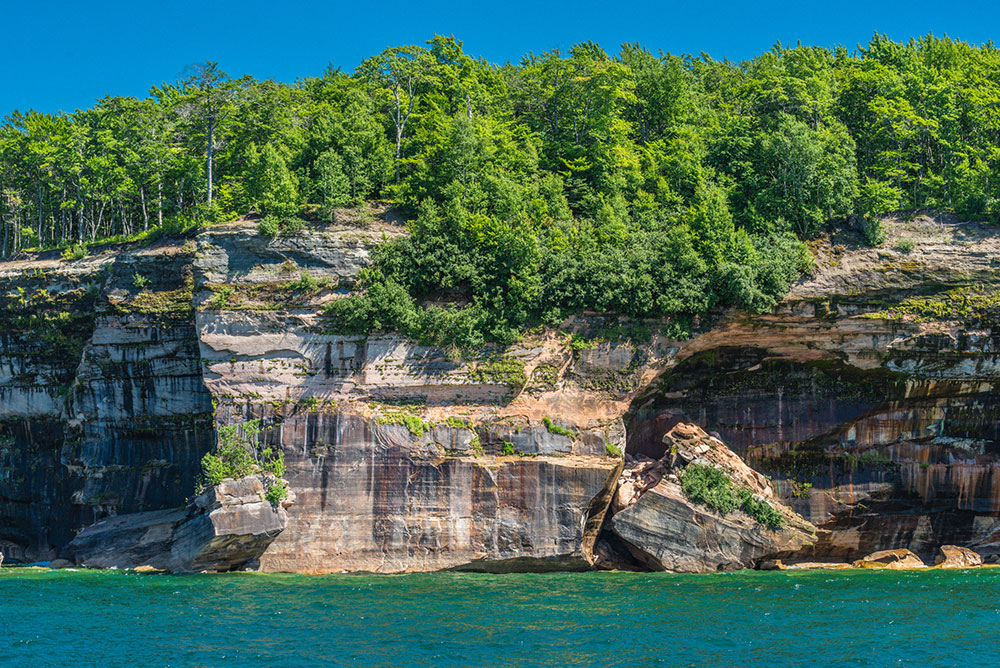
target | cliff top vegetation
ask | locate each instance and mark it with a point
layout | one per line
(648, 185)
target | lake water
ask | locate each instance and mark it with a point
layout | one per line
(820, 618)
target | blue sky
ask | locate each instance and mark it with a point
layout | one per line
(62, 55)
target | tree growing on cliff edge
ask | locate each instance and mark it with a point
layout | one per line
(208, 94)
(398, 76)
(643, 185)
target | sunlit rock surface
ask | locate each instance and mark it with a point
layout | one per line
(874, 416)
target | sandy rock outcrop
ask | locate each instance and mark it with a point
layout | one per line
(666, 530)
(900, 559)
(225, 528)
(953, 556)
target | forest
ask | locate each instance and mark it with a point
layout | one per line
(638, 183)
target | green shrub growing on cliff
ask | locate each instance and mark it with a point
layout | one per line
(708, 486)
(711, 487)
(501, 371)
(236, 455)
(75, 252)
(553, 428)
(414, 424)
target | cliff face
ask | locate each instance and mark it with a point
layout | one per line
(102, 405)
(867, 397)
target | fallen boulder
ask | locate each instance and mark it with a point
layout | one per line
(224, 528)
(667, 530)
(953, 556)
(900, 559)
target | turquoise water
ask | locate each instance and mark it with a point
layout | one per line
(775, 619)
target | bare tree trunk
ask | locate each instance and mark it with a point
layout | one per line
(211, 138)
(145, 214)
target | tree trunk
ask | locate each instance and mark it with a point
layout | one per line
(145, 213)
(211, 140)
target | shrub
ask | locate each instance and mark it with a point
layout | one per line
(501, 371)
(762, 511)
(612, 450)
(268, 226)
(711, 487)
(236, 456)
(306, 283)
(75, 252)
(556, 429)
(140, 281)
(874, 232)
(708, 486)
(272, 225)
(222, 297)
(508, 449)
(413, 423)
(874, 199)
(905, 245)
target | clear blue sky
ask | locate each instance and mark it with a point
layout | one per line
(63, 55)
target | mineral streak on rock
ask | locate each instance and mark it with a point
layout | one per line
(867, 397)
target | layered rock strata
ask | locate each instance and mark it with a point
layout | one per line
(224, 528)
(868, 397)
(665, 530)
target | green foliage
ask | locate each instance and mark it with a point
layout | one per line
(501, 371)
(801, 490)
(553, 428)
(306, 283)
(711, 487)
(875, 198)
(270, 185)
(508, 449)
(223, 297)
(237, 455)
(905, 245)
(612, 450)
(973, 305)
(476, 446)
(414, 424)
(75, 252)
(268, 226)
(273, 225)
(276, 492)
(140, 281)
(642, 185)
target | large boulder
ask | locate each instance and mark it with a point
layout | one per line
(225, 528)
(666, 530)
(953, 556)
(900, 559)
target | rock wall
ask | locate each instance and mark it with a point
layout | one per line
(868, 396)
(102, 406)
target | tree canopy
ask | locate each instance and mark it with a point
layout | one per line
(637, 183)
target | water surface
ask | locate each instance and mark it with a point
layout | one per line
(819, 618)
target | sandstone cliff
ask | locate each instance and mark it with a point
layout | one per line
(868, 397)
